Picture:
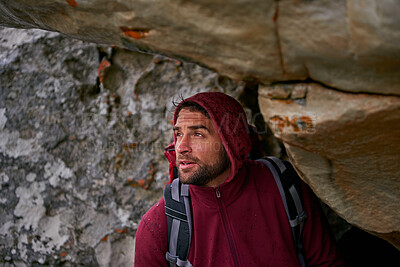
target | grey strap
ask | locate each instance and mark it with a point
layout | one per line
(299, 219)
(278, 183)
(181, 263)
(174, 261)
(185, 194)
(175, 214)
(279, 163)
(189, 218)
(185, 190)
(173, 241)
(175, 189)
(171, 259)
(296, 198)
(171, 256)
(302, 215)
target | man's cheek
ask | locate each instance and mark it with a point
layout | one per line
(201, 147)
(217, 146)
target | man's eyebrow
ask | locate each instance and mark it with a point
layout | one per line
(196, 127)
(193, 127)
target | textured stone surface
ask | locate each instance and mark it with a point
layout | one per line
(346, 147)
(351, 45)
(82, 133)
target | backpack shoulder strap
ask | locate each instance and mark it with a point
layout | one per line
(288, 183)
(179, 223)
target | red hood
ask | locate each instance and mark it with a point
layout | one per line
(231, 123)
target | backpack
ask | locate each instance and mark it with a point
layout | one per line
(178, 211)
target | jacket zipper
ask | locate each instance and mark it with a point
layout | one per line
(225, 222)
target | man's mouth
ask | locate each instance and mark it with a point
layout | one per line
(186, 164)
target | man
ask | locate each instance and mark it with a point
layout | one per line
(237, 211)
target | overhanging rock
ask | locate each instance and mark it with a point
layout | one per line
(346, 147)
(350, 45)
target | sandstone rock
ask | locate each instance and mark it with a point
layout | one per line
(346, 147)
(350, 45)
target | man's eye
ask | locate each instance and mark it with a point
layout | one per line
(198, 134)
(178, 134)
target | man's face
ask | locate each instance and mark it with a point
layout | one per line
(200, 156)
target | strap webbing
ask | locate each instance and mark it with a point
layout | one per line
(174, 261)
(301, 214)
(278, 183)
(175, 190)
(185, 190)
(179, 220)
(185, 263)
(189, 218)
(173, 241)
(279, 163)
(296, 199)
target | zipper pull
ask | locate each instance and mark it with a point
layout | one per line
(217, 192)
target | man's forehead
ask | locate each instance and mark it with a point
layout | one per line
(187, 118)
(186, 114)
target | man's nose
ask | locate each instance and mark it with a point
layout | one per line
(183, 145)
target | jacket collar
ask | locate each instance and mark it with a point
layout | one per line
(228, 191)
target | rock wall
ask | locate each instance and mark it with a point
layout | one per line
(346, 44)
(82, 133)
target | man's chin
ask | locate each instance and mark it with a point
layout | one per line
(184, 177)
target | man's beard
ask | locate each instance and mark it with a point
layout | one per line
(205, 173)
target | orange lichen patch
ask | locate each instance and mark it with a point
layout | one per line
(132, 145)
(151, 170)
(306, 119)
(151, 178)
(104, 64)
(142, 183)
(135, 183)
(157, 60)
(125, 147)
(280, 122)
(135, 33)
(120, 231)
(72, 3)
(72, 138)
(104, 239)
(63, 254)
(118, 161)
(171, 121)
(136, 96)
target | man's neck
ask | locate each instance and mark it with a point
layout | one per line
(220, 179)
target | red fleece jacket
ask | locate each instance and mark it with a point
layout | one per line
(247, 224)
